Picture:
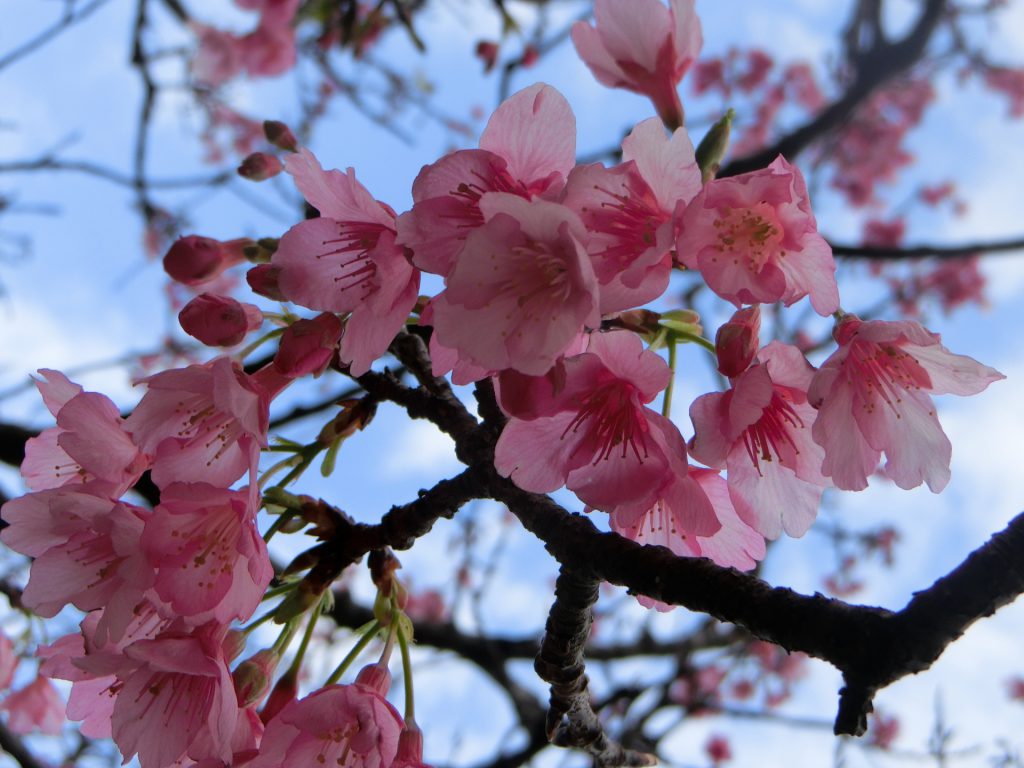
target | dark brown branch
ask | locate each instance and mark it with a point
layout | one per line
(12, 745)
(925, 250)
(68, 19)
(108, 174)
(881, 63)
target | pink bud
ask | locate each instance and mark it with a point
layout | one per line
(376, 677)
(410, 747)
(195, 259)
(307, 346)
(284, 693)
(530, 56)
(263, 279)
(259, 166)
(252, 676)
(737, 341)
(219, 321)
(233, 644)
(487, 51)
(280, 135)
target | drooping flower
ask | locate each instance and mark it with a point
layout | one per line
(760, 430)
(644, 47)
(527, 149)
(347, 261)
(754, 239)
(592, 430)
(522, 290)
(36, 708)
(351, 726)
(873, 396)
(628, 212)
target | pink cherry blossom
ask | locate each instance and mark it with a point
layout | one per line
(754, 239)
(268, 50)
(523, 288)
(347, 261)
(593, 432)
(36, 708)
(218, 58)
(209, 558)
(202, 423)
(90, 446)
(642, 46)
(219, 321)
(8, 661)
(352, 726)
(85, 551)
(873, 396)
(308, 346)
(761, 431)
(628, 212)
(176, 699)
(527, 149)
(679, 520)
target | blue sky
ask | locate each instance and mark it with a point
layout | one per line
(86, 293)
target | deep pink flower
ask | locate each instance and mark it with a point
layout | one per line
(523, 288)
(176, 699)
(208, 555)
(202, 423)
(346, 725)
(754, 239)
(219, 321)
(527, 149)
(628, 212)
(873, 395)
(36, 708)
(737, 341)
(760, 430)
(347, 261)
(90, 447)
(593, 431)
(642, 46)
(85, 549)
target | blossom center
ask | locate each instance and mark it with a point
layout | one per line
(753, 233)
(611, 417)
(883, 371)
(769, 435)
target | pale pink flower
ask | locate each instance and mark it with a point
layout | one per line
(219, 321)
(760, 430)
(346, 725)
(90, 447)
(85, 550)
(628, 212)
(679, 520)
(642, 46)
(523, 288)
(527, 149)
(592, 430)
(202, 423)
(36, 708)
(873, 395)
(209, 557)
(175, 699)
(754, 239)
(347, 261)
(8, 661)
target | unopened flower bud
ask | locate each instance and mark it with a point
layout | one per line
(263, 279)
(737, 341)
(259, 166)
(410, 747)
(712, 147)
(219, 321)
(280, 135)
(285, 691)
(375, 677)
(233, 644)
(307, 346)
(487, 52)
(194, 259)
(252, 676)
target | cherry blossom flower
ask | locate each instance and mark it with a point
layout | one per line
(628, 212)
(754, 239)
(346, 725)
(642, 46)
(760, 430)
(523, 288)
(176, 698)
(218, 57)
(347, 261)
(873, 396)
(202, 423)
(90, 447)
(308, 346)
(209, 558)
(593, 432)
(36, 708)
(527, 149)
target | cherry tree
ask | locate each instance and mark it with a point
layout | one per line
(202, 574)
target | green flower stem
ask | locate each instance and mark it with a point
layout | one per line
(300, 654)
(666, 403)
(403, 645)
(353, 654)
